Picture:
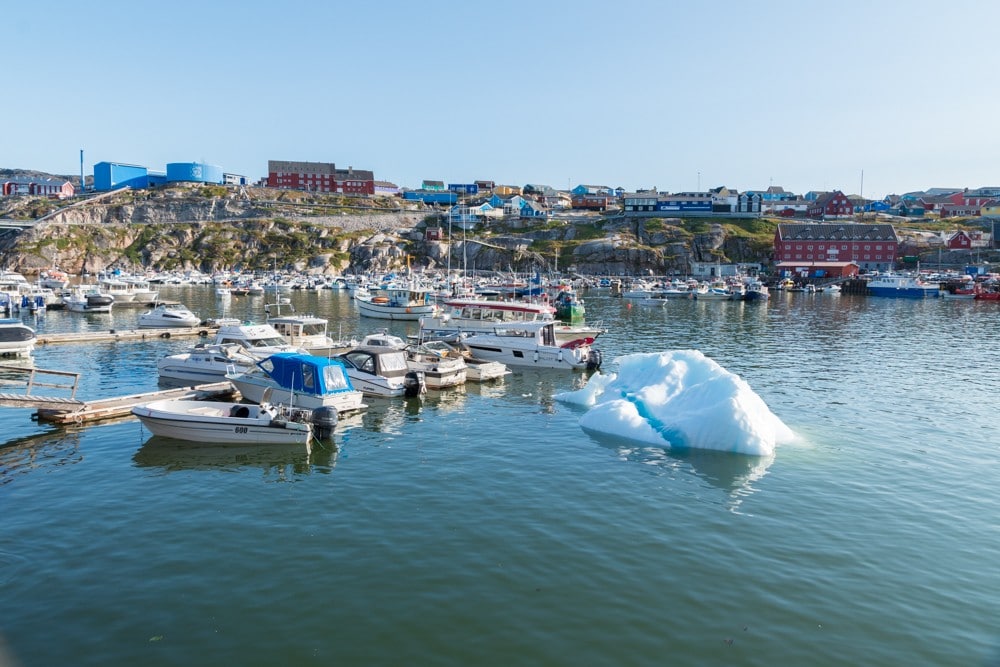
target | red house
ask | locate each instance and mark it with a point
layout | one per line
(960, 240)
(871, 247)
(830, 205)
(52, 188)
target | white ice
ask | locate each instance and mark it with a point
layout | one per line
(681, 399)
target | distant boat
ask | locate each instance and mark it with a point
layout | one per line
(397, 303)
(169, 315)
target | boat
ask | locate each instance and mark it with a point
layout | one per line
(310, 333)
(532, 344)
(17, 339)
(440, 369)
(88, 299)
(569, 307)
(169, 315)
(204, 363)
(469, 316)
(831, 289)
(382, 371)
(397, 303)
(213, 422)
(301, 380)
(476, 370)
(901, 285)
(119, 289)
(260, 340)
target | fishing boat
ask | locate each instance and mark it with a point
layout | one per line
(310, 333)
(213, 422)
(301, 380)
(476, 370)
(902, 286)
(169, 315)
(397, 303)
(17, 339)
(534, 345)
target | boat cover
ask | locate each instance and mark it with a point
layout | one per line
(307, 374)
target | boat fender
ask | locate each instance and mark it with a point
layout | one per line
(203, 334)
(240, 412)
(573, 344)
(165, 334)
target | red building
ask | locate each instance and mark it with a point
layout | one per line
(871, 247)
(960, 240)
(319, 177)
(595, 202)
(830, 205)
(52, 188)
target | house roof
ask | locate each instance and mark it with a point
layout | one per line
(836, 232)
(441, 183)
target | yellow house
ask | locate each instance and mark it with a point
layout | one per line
(507, 190)
(991, 208)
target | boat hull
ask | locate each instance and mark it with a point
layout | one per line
(210, 423)
(386, 311)
(904, 292)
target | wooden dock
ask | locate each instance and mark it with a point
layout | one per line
(73, 411)
(125, 335)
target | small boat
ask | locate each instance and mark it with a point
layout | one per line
(213, 422)
(382, 371)
(88, 299)
(169, 315)
(468, 316)
(16, 338)
(831, 289)
(533, 345)
(476, 370)
(260, 340)
(301, 380)
(440, 369)
(205, 363)
(309, 332)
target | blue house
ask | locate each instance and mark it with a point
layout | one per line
(532, 209)
(581, 190)
(685, 202)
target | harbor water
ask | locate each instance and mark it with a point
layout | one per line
(482, 526)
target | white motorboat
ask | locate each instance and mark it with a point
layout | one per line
(405, 303)
(205, 363)
(88, 299)
(440, 369)
(260, 340)
(309, 332)
(16, 338)
(119, 289)
(382, 371)
(533, 345)
(214, 423)
(476, 370)
(902, 285)
(467, 316)
(169, 315)
(300, 380)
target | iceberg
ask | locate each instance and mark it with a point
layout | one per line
(678, 399)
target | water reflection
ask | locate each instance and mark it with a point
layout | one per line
(734, 474)
(279, 462)
(28, 454)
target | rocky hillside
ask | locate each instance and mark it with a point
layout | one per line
(212, 228)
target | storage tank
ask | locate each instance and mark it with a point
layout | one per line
(195, 172)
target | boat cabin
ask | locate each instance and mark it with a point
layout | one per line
(378, 360)
(307, 374)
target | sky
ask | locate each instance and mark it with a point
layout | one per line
(870, 97)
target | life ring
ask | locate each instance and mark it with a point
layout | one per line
(407, 309)
(573, 344)
(380, 299)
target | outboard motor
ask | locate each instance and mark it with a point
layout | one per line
(324, 419)
(414, 384)
(593, 360)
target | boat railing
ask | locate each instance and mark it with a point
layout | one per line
(14, 375)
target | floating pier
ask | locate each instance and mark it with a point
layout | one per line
(73, 411)
(125, 335)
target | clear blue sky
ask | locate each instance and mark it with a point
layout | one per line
(673, 94)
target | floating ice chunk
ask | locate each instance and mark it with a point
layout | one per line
(680, 399)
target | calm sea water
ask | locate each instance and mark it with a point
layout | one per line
(482, 527)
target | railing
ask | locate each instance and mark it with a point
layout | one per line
(33, 382)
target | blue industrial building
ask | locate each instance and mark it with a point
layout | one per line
(431, 197)
(464, 188)
(111, 175)
(194, 172)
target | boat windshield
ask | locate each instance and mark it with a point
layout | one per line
(335, 378)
